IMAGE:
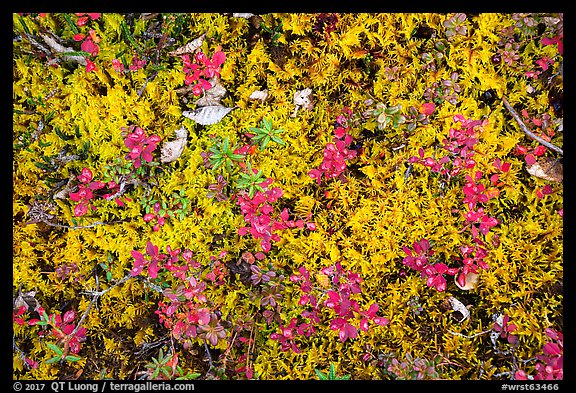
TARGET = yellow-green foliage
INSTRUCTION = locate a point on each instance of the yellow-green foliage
(363, 223)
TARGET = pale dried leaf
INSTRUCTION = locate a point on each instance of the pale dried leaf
(242, 15)
(207, 115)
(213, 95)
(183, 90)
(172, 150)
(26, 299)
(63, 194)
(190, 47)
(471, 281)
(547, 168)
(261, 95)
(303, 99)
(457, 305)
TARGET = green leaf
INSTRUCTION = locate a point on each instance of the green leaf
(23, 23)
(278, 140)
(55, 348)
(255, 130)
(236, 157)
(332, 372)
(72, 358)
(320, 374)
(61, 135)
(128, 35)
(74, 53)
(265, 142)
(53, 360)
(71, 24)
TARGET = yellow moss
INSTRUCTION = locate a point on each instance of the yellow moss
(362, 223)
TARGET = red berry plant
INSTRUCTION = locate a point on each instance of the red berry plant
(69, 337)
(184, 309)
(335, 302)
(136, 169)
(200, 68)
(459, 160)
(337, 153)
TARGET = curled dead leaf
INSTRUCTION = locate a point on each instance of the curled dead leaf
(260, 95)
(190, 47)
(547, 168)
(63, 193)
(471, 281)
(303, 99)
(26, 299)
(457, 305)
(213, 95)
(172, 150)
(207, 115)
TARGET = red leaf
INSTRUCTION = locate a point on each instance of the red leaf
(69, 316)
(80, 209)
(90, 66)
(347, 331)
(428, 108)
(552, 349)
(85, 176)
(151, 249)
(530, 160)
(540, 150)
(462, 279)
(381, 321)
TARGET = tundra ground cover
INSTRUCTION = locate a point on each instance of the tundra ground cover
(287, 196)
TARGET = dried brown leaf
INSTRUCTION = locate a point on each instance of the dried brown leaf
(547, 168)
(207, 115)
(303, 99)
(457, 305)
(260, 95)
(213, 95)
(172, 150)
(26, 299)
(190, 47)
(471, 281)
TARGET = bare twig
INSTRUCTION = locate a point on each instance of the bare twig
(82, 226)
(472, 336)
(209, 356)
(95, 296)
(527, 131)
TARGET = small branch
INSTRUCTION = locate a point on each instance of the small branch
(527, 131)
(209, 355)
(95, 296)
(82, 226)
(123, 184)
(472, 336)
(147, 282)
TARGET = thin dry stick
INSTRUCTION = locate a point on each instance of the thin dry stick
(526, 130)
(472, 336)
(95, 296)
(82, 226)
